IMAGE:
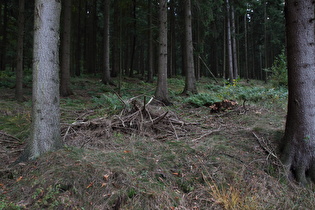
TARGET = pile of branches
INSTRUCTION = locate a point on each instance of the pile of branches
(136, 118)
(149, 120)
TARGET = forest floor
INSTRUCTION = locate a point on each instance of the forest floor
(123, 152)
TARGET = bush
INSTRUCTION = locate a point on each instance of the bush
(279, 72)
(202, 99)
(109, 101)
(237, 93)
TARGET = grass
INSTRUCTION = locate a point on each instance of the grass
(225, 169)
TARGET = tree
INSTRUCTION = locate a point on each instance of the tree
(65, 89)
(161, 92)
(4, 36)
(299, 139)
(190, 82)
(234, 45)
(106, 67)
(150, 43)
(78, 34)
(229, 42)
(91, 36)
(19, 63)
(45, 110)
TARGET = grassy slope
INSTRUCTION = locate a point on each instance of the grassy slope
(225, 160)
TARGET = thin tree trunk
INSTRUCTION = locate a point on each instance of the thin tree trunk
(106, 67)
(229, 41)
(1, 34)
(161, 92)
(190, 81)
(134, 38)
(196, 57)
(234, 46)
(91, 37)
(65, 89)
(246, 47)
(4, 37)
(173, 38)
(20, 49)
(265, 41)
(224, 70)
(150, 43)
(78, 41)
(116, 40)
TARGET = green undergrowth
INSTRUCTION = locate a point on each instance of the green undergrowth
(240, 93)
(15, 118)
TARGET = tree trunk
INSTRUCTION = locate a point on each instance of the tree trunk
(161, 92)
(246, 47)
(106, 67)
(1, 34)
(173, 38)
(91, 24)
(116, 40)
(150, 44)
(78, 40)
(19, 64)
(265, 42)
(45, 112)
(224, 70)
(299, 139)
(234, 45)
(3, 51)
(190, 81)
(134, 38)
(229, 42)
(65, 89)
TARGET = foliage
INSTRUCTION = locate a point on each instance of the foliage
(202, 99)
(237, 92)
(279, 72)
(7, 79)
(109, 101)
(15, 121)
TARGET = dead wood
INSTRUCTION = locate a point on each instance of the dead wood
(138, 117)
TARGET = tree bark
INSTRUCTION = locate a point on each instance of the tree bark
(20, 49)
(161, 92)
(45, 131)
(190, 81)
(91, 50)
(3, 52)
(246, 47)
(106, 67)
(65, 89)
(265, 42)
(78, 40)
(172, 41)
(116, 40)
(234, 45)
(150, 44)
(299, 140)
(229, 42)
(133, 39)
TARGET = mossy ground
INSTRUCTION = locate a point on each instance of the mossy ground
(226, 160)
